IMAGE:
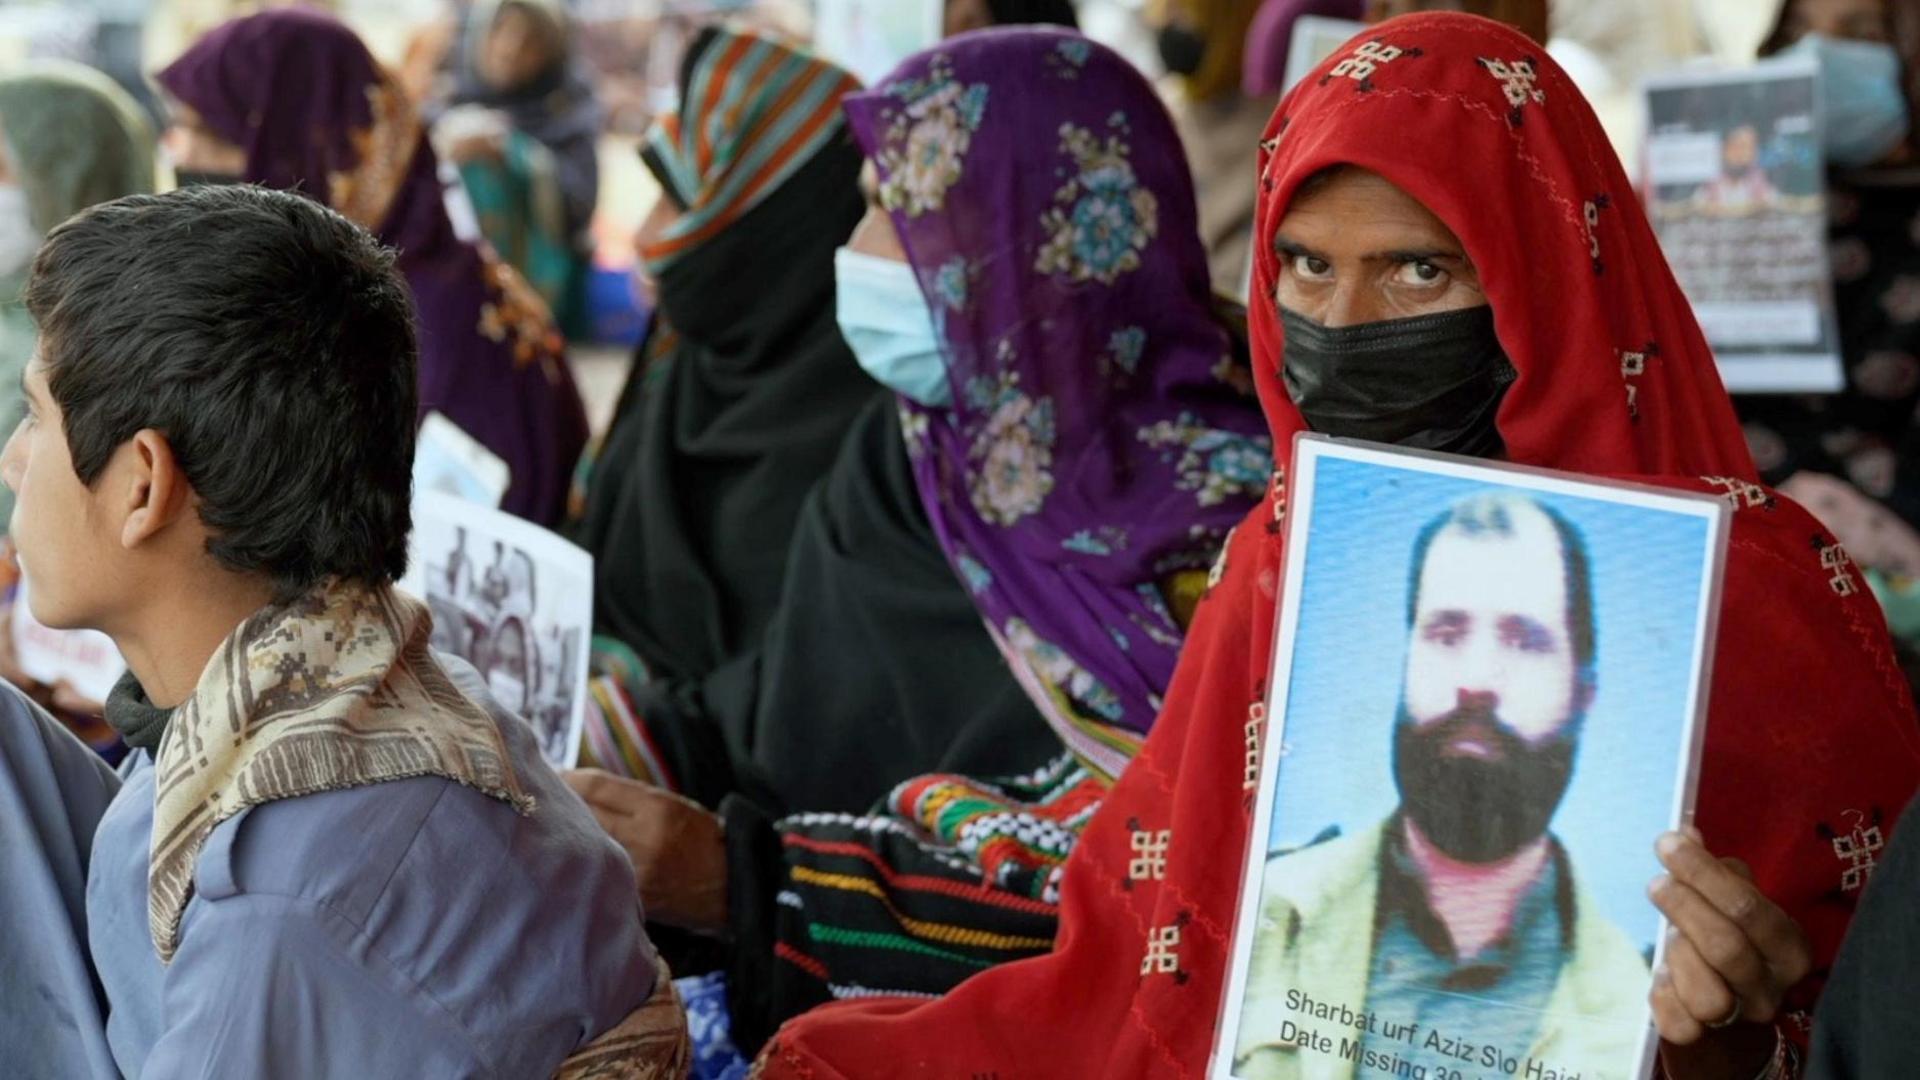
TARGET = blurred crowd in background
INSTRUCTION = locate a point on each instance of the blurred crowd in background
(542, 103)
(648, 282)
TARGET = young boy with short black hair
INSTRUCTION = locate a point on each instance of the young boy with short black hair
(332, 854)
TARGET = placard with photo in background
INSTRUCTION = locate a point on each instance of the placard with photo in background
(516, 602)
(1486, 705)
(1736, 186)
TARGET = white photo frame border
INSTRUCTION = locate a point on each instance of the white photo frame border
(1308, 450)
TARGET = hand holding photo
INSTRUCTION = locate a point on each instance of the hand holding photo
(1485, 707)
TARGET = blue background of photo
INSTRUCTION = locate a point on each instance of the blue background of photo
(1350, 655)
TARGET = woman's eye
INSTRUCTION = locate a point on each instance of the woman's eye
(1419, 274)
(1307, 266)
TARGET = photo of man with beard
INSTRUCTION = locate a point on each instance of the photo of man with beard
(1455, 936)
(1743, 186)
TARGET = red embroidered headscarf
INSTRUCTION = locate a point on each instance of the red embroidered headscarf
(1811, 747)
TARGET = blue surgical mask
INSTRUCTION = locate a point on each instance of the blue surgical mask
(1863, 108)
(889, 326)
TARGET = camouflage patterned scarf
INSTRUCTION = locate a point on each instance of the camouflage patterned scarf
(334, 690)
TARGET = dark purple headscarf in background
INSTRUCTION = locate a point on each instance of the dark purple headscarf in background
(315, 113)
(1102, 439)
(1270, 39)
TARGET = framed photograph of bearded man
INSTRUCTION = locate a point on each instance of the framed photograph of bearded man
(1487, 698)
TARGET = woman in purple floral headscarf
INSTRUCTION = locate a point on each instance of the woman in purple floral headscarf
(292, 99)
(1098, 440)
(1079, 418)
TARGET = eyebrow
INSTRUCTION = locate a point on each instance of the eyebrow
(1404, 255)
(1294, 248)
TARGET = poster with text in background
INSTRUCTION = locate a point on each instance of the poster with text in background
(1736, 187)
(1486, 703)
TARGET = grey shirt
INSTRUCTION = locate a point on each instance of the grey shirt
(53, 791)
(414, 928)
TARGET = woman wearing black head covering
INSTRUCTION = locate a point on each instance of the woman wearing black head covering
(744, 388)
(770, 594)
(749, 630)
(777, 621)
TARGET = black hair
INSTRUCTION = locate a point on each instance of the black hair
(1489, 516)
(1314, 184)
(1320, 180)
(271, 341)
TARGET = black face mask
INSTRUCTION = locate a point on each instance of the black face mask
(194, 178)
(1432, 382)
(1480, 810)
(1181, 49)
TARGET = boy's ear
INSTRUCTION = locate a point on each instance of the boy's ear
(153, 493)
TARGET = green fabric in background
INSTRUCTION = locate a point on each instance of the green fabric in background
(519, 205)
(72, 138)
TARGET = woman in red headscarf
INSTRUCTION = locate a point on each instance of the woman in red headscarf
(1462, 129)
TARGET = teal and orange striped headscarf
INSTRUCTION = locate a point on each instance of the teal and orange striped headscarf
(752, 112)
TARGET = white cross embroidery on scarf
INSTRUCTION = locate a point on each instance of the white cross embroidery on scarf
(1859, 850)
(1517, 80)
(1364, 61)
(1150, 848)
